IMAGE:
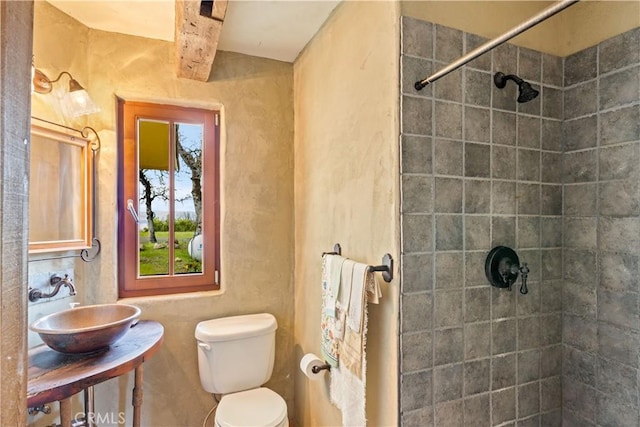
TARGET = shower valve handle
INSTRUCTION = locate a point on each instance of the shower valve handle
(524, 271)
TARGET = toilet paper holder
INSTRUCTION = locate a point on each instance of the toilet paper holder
(316, 369)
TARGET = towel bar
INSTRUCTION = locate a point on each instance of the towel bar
(386, 268)
(337, 250)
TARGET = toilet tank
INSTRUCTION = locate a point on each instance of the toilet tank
(236, 353)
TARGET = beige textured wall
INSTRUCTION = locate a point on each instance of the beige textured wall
(67, 51)
(582, 25)
(256, 96)
(590, 22)
(64, 52)
(346, 179)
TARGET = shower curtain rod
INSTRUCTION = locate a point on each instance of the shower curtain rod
(535, 20)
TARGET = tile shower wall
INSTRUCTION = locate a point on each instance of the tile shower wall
(602, 234)
(479, 170)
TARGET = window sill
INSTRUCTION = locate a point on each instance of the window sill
(172, 297)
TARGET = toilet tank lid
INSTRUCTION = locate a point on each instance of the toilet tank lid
(236, 327)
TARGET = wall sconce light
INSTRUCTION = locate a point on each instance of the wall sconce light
(76, 101)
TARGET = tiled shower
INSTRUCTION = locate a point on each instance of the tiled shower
(601, 326)
(556, 179)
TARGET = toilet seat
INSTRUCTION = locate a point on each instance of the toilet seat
(258, 407)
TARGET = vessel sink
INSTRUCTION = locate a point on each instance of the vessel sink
(85, 329)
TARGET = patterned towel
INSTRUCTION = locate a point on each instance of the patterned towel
(329, 341)
(334, 266)
(352, 347)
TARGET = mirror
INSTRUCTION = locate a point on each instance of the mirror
(60, 199)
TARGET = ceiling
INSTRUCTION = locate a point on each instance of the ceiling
(276, 29)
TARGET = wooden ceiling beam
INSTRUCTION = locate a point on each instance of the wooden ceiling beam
(198, 27)
(219, 9)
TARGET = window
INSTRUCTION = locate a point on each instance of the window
(168, 199)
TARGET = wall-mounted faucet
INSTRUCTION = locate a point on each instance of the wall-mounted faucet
(57, 282)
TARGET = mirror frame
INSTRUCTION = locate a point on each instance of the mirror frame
(86, 204)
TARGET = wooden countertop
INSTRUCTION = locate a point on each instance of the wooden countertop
(56, 376)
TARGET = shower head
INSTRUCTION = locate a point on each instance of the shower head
(527, 93)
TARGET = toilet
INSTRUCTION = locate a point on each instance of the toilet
(235, 358)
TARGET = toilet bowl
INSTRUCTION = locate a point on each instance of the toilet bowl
(258, 407)
(235, 358)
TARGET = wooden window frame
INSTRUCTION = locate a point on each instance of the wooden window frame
(129, 284)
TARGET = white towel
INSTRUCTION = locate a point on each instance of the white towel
(346, 283)
(342, 305)
(348, 394)
(349, 380)
(356, 302)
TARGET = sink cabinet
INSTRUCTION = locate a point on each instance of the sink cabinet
(54, 376)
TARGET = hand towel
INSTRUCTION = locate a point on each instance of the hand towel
(356, 302)
(349, 380)
(328, 342)
(342, 306)
(334, 277)
(374, 293)
(352, 346)
(352, 352)
(346, 281)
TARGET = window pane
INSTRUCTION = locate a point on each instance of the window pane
(188, 199)
(153, 194)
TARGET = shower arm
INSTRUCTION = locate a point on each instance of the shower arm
(500, 79)
(535, 20)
